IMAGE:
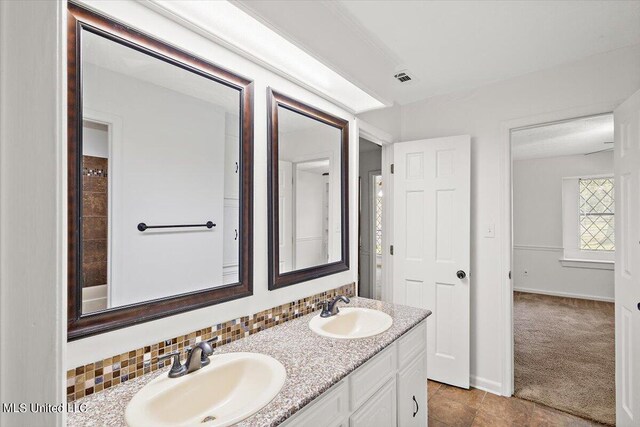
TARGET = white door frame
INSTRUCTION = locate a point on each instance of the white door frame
(506, 222)
(322, 155)
(373, 259)
(385, 140)
(114, 133)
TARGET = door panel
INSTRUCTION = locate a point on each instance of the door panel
(627, 278)
(432, 236)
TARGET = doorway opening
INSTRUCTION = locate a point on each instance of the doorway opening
(563, 248)
(370, 229)
(96, 175)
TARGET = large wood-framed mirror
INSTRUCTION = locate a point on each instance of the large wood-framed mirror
(308, 189)
(160, 178)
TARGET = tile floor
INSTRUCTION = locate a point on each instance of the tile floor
(454, 407)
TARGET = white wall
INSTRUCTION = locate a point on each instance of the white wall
(95, 142)
(595, 84)
(32, 209)
(537, 227)
(94, 348)
(168, 168)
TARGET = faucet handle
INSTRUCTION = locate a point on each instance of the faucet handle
(325, 311)
(175, 355)
(207, 350)
(177, 368)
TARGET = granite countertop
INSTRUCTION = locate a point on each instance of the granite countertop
(313, 364)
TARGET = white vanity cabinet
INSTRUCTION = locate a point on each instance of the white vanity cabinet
(379, 410)
(412, 401)
(388, 390)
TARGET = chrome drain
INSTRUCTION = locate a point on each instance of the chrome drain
(207, 419)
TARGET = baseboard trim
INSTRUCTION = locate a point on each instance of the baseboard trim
(564, 294)
(484, 384)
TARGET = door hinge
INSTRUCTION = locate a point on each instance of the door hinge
(391, 249)
(392, 168)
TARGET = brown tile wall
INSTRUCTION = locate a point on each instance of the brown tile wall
(97, 376)
(95, 199)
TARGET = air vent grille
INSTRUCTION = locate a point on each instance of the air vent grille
(403, 77)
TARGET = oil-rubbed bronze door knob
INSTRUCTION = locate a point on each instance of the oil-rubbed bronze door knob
(461, 274)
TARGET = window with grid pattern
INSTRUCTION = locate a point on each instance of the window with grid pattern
(597, 219)
(378, 213)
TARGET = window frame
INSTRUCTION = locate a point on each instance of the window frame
(571, 224)
(583, 183)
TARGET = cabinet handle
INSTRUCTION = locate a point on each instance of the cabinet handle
(417, 407)
(236, 238)
(236, 167)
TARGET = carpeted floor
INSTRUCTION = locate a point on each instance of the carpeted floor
(565, 354)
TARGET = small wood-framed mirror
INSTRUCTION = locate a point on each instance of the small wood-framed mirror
(308, 188)
(160, 178)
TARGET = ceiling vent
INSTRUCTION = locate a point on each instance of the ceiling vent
(403, 76)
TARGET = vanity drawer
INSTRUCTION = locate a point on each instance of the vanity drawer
(411, 344)
(331, 410)
(368, 378)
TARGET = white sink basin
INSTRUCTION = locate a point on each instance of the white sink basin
(352, 323)
(231, 388)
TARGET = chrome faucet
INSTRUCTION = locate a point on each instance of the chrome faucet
(330, 308)
(197, 357)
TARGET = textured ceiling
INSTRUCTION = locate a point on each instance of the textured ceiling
(447, 45)
(579, 136)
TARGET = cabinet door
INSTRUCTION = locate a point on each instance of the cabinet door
(379, 410)
(412, 388)
(232, 157)
(230, 235)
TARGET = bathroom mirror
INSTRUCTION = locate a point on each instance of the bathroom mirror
(160, 178)
(308, 192)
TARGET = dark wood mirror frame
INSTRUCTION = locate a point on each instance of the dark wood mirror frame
(279, 280)
(78, 325)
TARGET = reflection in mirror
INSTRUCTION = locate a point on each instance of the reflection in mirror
(310, 199)
(160, 147)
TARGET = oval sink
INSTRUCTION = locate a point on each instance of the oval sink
(231, 388)
(352, 323)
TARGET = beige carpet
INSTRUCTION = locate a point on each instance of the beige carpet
(565, 354)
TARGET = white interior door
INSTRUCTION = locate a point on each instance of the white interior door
(431, 247)
(627, 274)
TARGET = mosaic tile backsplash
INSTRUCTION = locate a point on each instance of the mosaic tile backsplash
(103, 374)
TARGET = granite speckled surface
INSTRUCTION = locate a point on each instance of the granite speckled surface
(313, 364)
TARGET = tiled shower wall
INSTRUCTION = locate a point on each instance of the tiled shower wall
(92, 378)
(95, 200)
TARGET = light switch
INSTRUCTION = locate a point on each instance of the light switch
(490, 231)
